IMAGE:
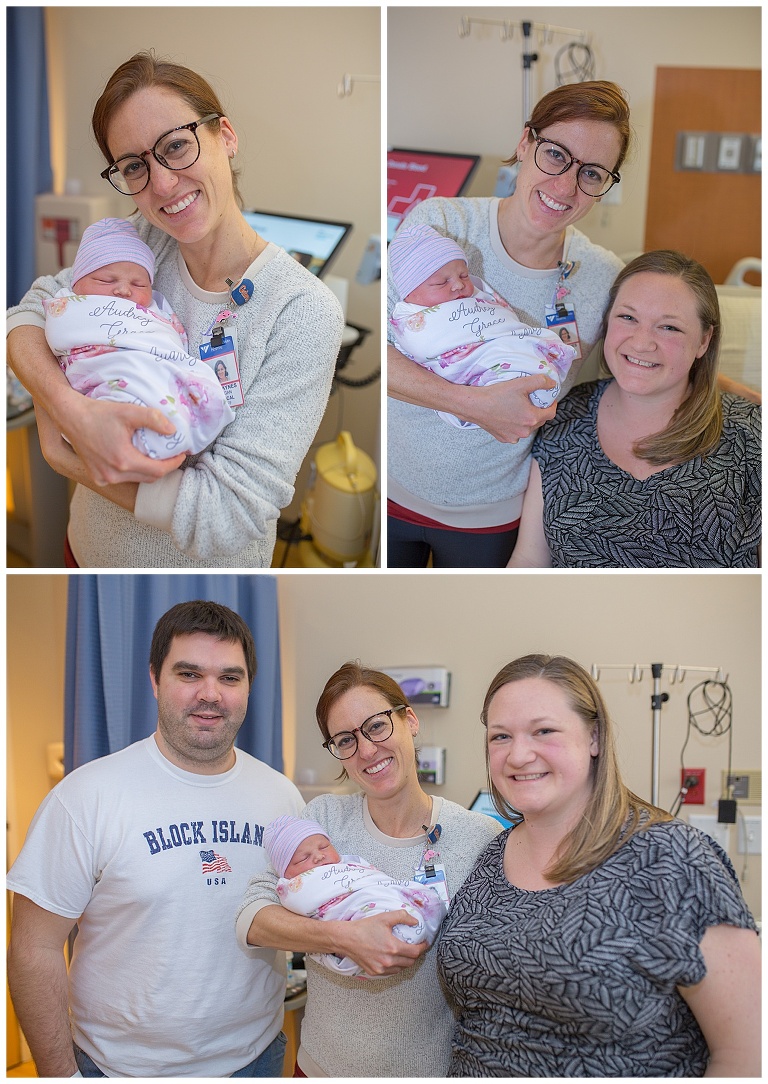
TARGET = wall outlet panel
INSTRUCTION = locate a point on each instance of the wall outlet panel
(695, 795)
(743, 785)
(749, 835)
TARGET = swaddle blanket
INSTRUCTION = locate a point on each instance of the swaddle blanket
(353, 889)
(479, 340)
(114, 349)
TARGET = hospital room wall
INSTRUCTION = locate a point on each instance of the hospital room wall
(472, 625)
(465, 94)
(303, 149)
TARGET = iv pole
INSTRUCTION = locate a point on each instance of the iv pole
(658, 699)
(529, 58)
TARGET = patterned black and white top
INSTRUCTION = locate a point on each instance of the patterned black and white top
(701, 514)
(580, 980)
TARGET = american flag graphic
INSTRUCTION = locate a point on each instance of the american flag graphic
(214, 863)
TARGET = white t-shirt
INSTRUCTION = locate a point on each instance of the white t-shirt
(156, 860)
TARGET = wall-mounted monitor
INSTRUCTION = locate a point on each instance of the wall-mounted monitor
(413, 176)
(314, 242)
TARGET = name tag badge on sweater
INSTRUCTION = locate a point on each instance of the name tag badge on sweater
(561, 318)
(431, 873)
(220, 353)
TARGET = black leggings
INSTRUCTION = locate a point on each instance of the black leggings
(409, 545)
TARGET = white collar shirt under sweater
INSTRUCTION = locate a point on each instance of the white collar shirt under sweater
(464, 477)
(158, 859)
(398, 1026)
(220, 509)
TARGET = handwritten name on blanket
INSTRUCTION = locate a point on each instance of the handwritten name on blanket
(133, 319)
(345, 877)
(133, 314)
(481, 316)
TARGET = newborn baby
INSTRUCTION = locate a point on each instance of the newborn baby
(132, 348)
(318, 882)
(456, 326)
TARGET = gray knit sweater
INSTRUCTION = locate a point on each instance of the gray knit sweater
(220, 508)
(398, 1026)
(464, 477)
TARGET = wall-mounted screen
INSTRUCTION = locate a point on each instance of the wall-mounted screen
(314, 242)
(483, 803)
(413, 176)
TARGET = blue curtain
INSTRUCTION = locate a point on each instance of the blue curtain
(110, 619)
(28, 156)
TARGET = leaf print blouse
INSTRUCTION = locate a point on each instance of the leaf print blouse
(581, 980)
(701, 514)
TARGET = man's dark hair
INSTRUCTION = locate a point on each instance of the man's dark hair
(211, 618)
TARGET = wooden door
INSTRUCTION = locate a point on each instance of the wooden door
(713, 217)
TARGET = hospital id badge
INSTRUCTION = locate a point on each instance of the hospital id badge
(561, 318)
(220, 354)
(432, 874)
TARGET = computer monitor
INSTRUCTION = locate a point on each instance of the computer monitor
(413, 176)
(483, 803)
(314, 242)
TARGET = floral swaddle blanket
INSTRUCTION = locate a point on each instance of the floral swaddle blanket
(479, 340)
(109, 348)
(353, 889)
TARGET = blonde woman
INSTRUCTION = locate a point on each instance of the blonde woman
(654, 467)
(598, 936)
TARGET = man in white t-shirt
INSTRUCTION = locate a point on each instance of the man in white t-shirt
(149, 851)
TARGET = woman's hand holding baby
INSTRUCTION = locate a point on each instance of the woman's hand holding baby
(101, 433)
(372, 945)
(505, 411)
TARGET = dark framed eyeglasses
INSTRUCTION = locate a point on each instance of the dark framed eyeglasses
(377, 727)
(555, 159)
(177, 149)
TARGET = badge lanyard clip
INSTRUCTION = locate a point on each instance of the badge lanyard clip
(560, 314)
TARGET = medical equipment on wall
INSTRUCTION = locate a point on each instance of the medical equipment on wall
(580, 67)
(658, 699)
(716, 706)
(545, 32)
(423, 684)
(581, 63)
(431, 764)
(59, 225)
(337, 513)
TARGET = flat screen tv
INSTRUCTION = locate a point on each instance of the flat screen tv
(413, 176)
(314, 242)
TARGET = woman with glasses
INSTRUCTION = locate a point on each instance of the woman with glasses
(456, 494)
(399, 1016)
(169, 147)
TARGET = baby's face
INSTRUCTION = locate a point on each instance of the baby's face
(451, 281)
(127, 280)
(312, 851)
